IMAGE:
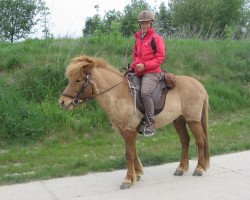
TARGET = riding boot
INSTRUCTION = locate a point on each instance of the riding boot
(150, 126)
(149, 129)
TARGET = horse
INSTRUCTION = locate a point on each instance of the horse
(186, 106)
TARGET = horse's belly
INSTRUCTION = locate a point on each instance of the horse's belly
(165, 118)
(171, 111)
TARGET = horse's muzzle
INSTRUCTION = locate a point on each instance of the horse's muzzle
(66, 105)
(61, 102)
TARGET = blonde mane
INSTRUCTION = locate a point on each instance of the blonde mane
(83, 63)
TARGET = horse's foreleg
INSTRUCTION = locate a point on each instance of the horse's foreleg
(133, 162)
(138, 167)
(199, 136)
(181, 129)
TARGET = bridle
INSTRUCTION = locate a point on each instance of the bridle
(76, 99)
(88, 82)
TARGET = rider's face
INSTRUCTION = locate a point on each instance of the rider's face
(145, 26)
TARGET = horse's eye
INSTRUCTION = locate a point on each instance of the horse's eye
(78, 81)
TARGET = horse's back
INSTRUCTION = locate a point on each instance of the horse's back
(190, 83)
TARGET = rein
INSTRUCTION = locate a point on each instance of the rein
(88, 81)
(107, 89)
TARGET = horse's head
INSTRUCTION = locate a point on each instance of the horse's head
(80, 86)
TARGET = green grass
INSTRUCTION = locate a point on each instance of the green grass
(67, 154)
(39, 140)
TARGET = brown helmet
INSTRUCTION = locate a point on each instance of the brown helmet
(146, 16)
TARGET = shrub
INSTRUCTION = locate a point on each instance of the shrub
(38, 83)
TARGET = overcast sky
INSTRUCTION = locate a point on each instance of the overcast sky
(68, 16)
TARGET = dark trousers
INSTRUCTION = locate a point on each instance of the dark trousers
(149, 83)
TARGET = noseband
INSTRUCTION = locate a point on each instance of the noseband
(88, 81)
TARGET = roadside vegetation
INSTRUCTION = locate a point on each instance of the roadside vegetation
(39, 140)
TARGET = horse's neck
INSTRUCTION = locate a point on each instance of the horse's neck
(105, 78)
(110, 85)
(116, 101)
(113, 90)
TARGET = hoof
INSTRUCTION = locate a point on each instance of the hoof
(125, 185)
(138, 176)
(197, 172)
(179, 172)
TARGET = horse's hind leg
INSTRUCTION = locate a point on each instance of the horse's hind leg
(181, 129)
(199, 136)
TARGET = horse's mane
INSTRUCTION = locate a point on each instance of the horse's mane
(78, 64)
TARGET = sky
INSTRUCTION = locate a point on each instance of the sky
(68, 16)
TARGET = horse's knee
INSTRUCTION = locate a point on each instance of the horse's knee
(129, 155)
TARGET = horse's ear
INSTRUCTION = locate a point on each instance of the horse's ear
(87, 68)
(83, 64)
(83, 60)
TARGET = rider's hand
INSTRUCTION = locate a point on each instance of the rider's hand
(140, 67)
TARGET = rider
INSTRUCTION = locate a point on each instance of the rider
(147, 64)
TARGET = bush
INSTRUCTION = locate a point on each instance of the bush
(227, 97)
(10, 63)
(37, 84)
(16, 118)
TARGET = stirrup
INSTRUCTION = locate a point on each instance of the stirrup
(149, 134)
(141, 127)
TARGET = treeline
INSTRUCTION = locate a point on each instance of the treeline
(180, 18)
(223, 19)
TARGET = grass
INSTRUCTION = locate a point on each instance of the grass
(38, 140)
(70, 154)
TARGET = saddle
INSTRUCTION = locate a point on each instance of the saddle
(166, 82)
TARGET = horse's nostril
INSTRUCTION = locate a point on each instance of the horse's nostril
(76, 101)
(62, 102)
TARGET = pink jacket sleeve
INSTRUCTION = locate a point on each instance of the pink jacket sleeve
(159, 56)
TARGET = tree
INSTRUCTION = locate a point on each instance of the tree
(16, 18)
(114, 21)
(106, 25)
(246, 21)
(92, 24)
(163, 23)
(207, 17)
(129, 22)
(44, 13)
(110, 21)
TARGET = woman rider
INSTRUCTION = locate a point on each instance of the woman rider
(147, 64)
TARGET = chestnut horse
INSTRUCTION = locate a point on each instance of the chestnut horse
(186, 105)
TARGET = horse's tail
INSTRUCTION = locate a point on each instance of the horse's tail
(204, 123)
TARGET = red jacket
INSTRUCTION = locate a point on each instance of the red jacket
(144, 53)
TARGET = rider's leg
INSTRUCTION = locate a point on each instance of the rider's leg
(149, 83)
